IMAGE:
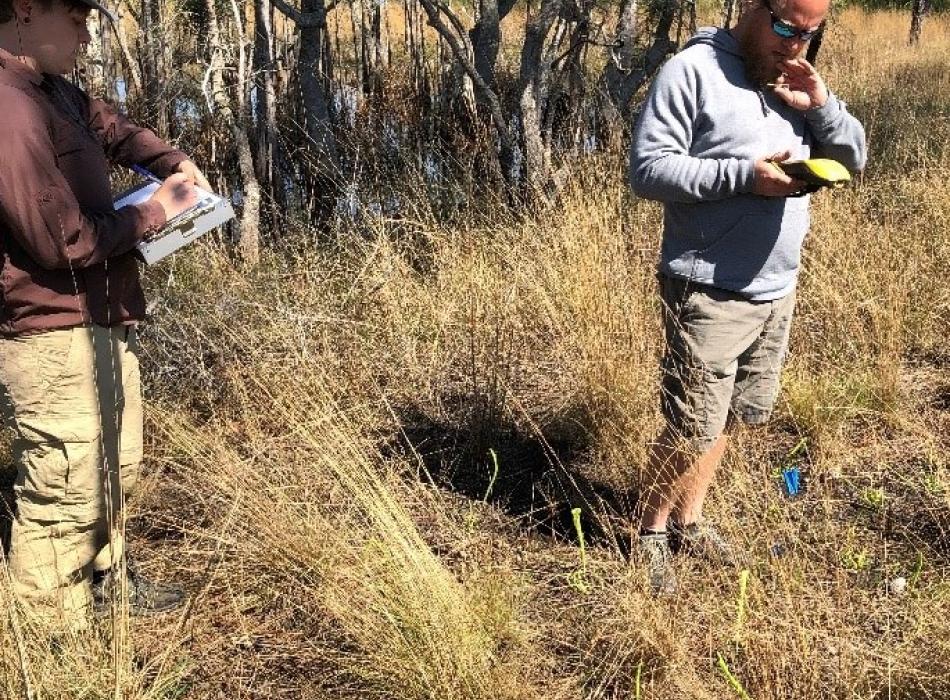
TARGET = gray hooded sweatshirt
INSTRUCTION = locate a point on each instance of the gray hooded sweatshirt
(695, 143)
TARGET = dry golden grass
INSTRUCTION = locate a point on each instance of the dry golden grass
(319, 473)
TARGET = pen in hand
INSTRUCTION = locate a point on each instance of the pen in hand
(177, 194)
(147, 174)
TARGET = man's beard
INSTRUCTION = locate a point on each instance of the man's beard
(760, 65)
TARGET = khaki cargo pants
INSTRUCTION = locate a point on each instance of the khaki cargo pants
(74, 400)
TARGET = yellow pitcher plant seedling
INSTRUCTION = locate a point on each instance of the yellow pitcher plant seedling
(494, 474)
(578, 578)
(733, 681)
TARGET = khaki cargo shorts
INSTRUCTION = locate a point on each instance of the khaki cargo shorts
(722, 360)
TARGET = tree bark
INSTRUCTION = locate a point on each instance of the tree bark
(620, 60)
(380, 30)
(266, 105)
(108, 59)
(248, 226)
(486, 36)
(728, 7)
(316, 103)
(94, 65)
(153, 65)
(631, 81)
(920, 10)
(814, 46)
(318, 128)
(131, 67)
(249, 234)
(532, 95)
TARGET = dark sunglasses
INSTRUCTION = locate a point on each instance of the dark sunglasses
(788, 31)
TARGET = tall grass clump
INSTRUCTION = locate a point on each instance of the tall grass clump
(312, 520)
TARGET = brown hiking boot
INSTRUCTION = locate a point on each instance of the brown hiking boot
(145, 597)
(656, 552)
(702, 541)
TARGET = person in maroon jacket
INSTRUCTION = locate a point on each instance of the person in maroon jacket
(70, 299)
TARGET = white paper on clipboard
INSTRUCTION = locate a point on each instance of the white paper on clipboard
(210, 212)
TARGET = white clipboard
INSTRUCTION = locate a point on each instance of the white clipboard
(210, 212)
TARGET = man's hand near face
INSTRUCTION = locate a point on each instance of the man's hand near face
(800, 86)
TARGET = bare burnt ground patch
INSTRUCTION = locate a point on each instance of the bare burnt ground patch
(537, 481)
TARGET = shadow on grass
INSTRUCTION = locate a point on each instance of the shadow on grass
(537, 481)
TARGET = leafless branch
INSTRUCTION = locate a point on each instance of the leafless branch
(463, 55)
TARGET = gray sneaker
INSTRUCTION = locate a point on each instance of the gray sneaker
(702, 541)
(145, 597)
(655, 549)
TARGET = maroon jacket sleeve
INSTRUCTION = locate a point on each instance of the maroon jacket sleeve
(128, 144)
(39, 207)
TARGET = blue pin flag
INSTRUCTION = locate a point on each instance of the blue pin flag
(792, 478)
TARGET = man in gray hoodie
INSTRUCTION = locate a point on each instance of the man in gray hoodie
(718, 118)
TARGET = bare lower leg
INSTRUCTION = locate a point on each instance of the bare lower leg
(669, 472)
(694, 485)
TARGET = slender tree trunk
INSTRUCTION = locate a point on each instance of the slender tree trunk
(367, 47)
(311, 26)
(728, 8)
(248, 226)
(266, 105)
(620, 60)
(486, 36)
(108, 59)
(131, 67)
(486, 39)
(921, 8)
(153, 65)
(356, 24)
(627, 80)
(249, 235)
(455, 36)
(814, 46)
(94, 65)
(414, 47)
(380, 35)
(532, 95)
(318, 126)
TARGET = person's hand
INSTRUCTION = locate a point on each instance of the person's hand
(176, 194)
(800, 86)
(771, 180)
(194, 173)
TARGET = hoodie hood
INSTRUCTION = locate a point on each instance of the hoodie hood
(717, 37)
(723, 40)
